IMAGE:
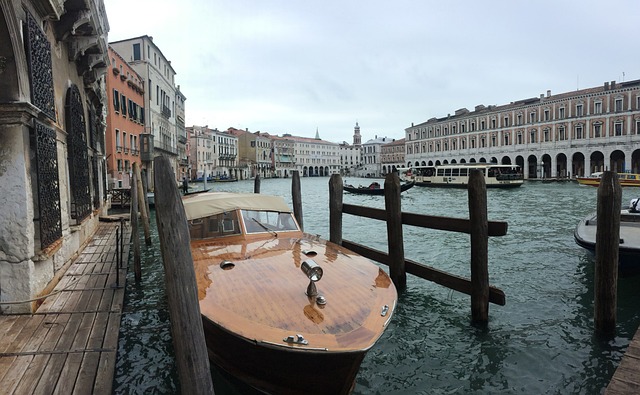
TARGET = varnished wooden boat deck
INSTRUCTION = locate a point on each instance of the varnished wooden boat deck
(626, 379)
(69, 345)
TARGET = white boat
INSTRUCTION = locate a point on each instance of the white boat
(629, 249)
(283, 310)
(457, 175)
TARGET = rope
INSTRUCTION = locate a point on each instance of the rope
(43, 296)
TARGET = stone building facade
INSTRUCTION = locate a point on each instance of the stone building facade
(551, 136)
(53, 56)
(392, 156)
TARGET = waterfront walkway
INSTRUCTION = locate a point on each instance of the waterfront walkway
(69, 345)
(626, 379)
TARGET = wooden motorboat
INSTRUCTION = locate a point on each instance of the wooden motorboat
(374, 188)
(629, 248)
(282, 310)
(626, 179)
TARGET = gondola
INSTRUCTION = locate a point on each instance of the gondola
(374, 188)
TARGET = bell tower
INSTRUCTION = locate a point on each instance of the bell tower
(357, 139)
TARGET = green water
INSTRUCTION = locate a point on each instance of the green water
(541, 342)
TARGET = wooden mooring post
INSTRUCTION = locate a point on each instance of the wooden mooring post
(607, 244)
(335, 208)
(392, 204)
(142, 205)
(180, 281)
(477, 190)
(134, 228)
(256, 184)
(296, 197)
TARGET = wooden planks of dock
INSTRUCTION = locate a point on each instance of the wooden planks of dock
(626, 379)
(69, 345)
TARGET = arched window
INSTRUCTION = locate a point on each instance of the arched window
(78, 157)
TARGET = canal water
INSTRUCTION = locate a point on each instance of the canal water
(541, 341)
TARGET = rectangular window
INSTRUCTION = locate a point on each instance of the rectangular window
(637, 127)
(578, 110)
(118, 144)
(519, 119)
(136, 52)
(532, 137)
(561, 113)
(598, 108)
(116, 100)
(532, 117)
(124, 105)
(618, 105)
(546, 115)
(506, 121)
(546, 135)
(119, 164)
(618, 128)
(579, 134)
(597, 130)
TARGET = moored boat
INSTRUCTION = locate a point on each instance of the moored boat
(374, 188)
(457, 175)
(629, 247)
(284, 311)
(626, 179)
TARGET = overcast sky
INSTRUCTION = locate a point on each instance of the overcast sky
(299, 66)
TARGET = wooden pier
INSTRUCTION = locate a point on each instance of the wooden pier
(69, 345)
(626, 379)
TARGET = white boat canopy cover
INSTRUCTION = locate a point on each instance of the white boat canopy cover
(203, 205)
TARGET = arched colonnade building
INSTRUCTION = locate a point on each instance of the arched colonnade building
(551, 136)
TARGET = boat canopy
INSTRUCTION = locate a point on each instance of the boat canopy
(206, 204)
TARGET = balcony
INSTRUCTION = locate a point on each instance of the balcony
(146, 147)
(166, 112)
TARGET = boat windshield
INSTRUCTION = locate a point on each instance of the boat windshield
(268, 221)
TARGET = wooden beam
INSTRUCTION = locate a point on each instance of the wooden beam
(461, 225)
(457, 283)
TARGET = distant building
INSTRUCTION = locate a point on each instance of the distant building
(372, 157)
(125, 120)
(53, 58)
(351, 154)
(162, 124)
(254, 152)
(564, 135)
(213, 154)
(392, 156)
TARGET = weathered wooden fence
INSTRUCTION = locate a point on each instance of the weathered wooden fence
(477, 226)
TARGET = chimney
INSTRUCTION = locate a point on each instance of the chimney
(548, 93)
(606, 86)
(613, 84)
(542, 95)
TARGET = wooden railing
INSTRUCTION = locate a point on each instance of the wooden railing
(477, 226)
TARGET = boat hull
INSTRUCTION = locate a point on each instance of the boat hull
(376, 191)
(629, 248)
(461, 185)
(625, 179)
(281, 370)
